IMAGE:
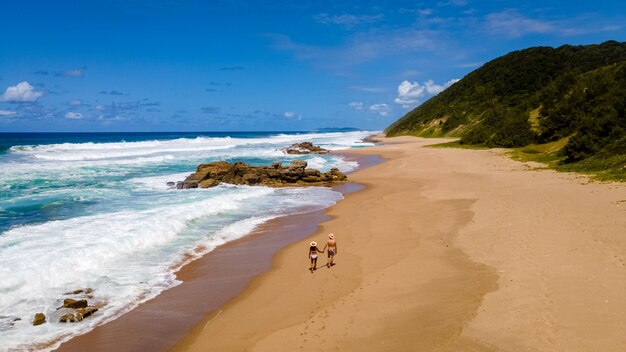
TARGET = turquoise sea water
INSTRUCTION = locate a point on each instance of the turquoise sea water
(94, 210)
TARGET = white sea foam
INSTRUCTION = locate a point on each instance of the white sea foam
(157, 183)
(185, 146)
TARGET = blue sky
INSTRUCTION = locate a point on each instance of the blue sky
(232, 65)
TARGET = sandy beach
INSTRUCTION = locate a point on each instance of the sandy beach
(444, 250)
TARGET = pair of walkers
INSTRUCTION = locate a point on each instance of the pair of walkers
(314, 251)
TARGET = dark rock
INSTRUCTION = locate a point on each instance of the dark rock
(73, 303)
(296, 174)
(77, 315)
(305, 148)
(208, 183)
(68, 318)
(171, 184)
(39, 319)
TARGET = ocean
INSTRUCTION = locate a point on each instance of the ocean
(94, 211)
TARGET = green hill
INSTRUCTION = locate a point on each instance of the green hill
(535, 96)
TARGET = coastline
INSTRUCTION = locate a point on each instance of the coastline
(158, 324)
(445, 249)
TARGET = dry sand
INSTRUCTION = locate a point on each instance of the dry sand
(445, 250)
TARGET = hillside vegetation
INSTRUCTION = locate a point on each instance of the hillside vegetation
(541, 95)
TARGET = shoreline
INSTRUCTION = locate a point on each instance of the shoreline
(445, 250)
(179, 309)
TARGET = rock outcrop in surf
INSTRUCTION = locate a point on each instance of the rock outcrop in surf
(305, 148)
(276, 175)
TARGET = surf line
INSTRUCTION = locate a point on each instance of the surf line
(215, 317)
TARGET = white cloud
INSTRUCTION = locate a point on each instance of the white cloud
(74, 115)
(75, 102)
(5, 113)
(22, 92)
(435, 89)
(356, 105)
(289, 114)
(380, 109)
(409, 92)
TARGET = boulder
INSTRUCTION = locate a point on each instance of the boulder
(374, 138)
(305, 148)
(298, 164)
(39, 319)
(74, 303)
(77, 315)
(276, 175)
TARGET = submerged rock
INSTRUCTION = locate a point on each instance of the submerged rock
(305, 148)
(39, 319)
(77, 315)
(276, 175)
(79, 291)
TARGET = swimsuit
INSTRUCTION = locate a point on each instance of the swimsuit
(313, 256)
(331, 252)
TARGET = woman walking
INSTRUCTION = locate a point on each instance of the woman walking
(313, 251)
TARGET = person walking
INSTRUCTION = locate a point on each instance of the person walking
(313, 251)
(332, 250)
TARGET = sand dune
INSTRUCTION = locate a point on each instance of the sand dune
(445, 250)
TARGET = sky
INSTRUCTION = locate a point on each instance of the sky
(235, 65)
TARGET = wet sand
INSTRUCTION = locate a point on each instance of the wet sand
(444, 250)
